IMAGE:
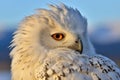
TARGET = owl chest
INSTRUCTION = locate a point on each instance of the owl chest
(61, 68)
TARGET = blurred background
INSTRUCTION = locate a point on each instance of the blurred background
(103, 25)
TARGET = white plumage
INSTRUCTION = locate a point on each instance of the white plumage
(53, 45)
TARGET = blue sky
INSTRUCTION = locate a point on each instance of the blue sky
(13, 11)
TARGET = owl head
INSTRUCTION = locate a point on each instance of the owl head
(60, 27)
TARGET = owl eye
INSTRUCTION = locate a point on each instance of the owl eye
(58, 36)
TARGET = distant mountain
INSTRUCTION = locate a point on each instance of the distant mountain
(106, 39)
(106, 33)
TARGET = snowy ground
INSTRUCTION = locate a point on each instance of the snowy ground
(5, 75)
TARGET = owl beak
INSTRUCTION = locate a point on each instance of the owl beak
(78, 46)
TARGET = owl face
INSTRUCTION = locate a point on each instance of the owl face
(59, 37)
(61, 28)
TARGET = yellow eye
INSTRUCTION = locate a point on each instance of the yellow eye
(58, 36)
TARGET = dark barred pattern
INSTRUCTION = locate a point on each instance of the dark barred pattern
(94, 69)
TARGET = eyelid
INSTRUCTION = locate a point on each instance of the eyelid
(58, 32)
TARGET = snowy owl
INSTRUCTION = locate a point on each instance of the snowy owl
(53, 44)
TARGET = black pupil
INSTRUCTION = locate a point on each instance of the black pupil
(57, 35)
